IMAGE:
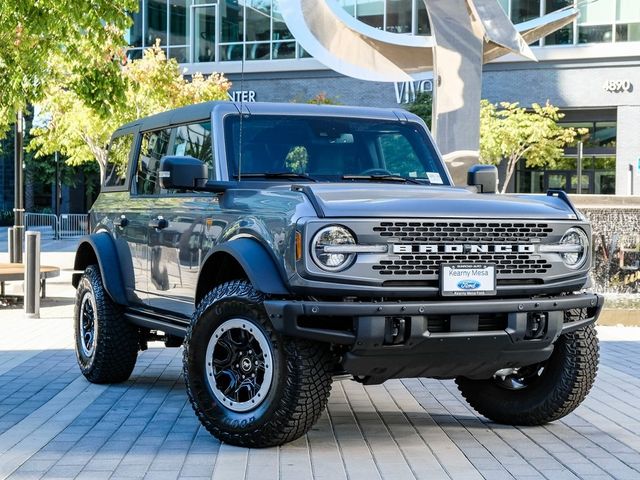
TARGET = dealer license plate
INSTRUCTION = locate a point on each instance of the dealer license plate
(467, 280)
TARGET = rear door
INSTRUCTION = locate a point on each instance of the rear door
(130, 238)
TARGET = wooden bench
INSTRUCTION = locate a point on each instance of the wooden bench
(12, 272)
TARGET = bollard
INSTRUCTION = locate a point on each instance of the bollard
(32, 276)
(10, 240)
(18, 243)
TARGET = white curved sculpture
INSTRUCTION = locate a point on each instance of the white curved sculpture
(466, 34)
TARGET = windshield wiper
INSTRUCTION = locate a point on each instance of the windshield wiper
(386, 178)
(277, 175)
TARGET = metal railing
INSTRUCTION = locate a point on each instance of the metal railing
(45, 223)
(67, 225)
(73, 225)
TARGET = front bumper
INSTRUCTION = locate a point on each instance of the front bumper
(459, 346)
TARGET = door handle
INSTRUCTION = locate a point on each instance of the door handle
(159, 223)
(121, 222)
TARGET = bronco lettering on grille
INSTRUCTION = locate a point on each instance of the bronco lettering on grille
(460, 248)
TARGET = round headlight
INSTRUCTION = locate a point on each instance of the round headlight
(333, 236)
(578, 240)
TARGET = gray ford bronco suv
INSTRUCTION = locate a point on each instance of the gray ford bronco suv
(285, 245)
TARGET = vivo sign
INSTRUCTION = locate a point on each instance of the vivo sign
(406, 92)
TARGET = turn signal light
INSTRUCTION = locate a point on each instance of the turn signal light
(298, 246)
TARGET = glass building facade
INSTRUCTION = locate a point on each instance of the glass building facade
(604, 21)
(197, 31)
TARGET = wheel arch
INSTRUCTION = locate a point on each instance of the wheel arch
(243, 258)
(99, 248)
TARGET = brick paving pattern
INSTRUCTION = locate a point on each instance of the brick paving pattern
(54, 424)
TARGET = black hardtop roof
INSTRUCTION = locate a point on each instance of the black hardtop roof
(202, 111)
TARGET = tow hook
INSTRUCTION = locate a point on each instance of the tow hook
(536, 326)
(395, 330)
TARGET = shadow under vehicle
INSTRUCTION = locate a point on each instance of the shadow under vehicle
(287, 244)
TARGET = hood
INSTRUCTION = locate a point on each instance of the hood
(381, 200)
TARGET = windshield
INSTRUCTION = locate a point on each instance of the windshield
(322, 149)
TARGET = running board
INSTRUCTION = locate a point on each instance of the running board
(154, 321)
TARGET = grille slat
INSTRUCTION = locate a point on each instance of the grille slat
(440, 232)
(428, 264)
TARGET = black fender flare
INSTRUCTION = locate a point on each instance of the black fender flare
(260, 267)
(100, 248)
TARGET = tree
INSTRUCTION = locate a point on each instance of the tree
(34, 34)
(423, 106)
(513, 133)
(320, 98)
(79, 128)
(323, 99)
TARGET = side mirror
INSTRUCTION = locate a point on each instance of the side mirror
(484, 177)
(182, 173)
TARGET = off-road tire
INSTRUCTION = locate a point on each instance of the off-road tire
(563, 385)
(116, 340)
(299, 388)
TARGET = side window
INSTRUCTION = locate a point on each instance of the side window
(195, 140)
(153, 147)
(399, 156)
(118, 161)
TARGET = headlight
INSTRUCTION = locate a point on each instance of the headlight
(333, 236)
(577, 248)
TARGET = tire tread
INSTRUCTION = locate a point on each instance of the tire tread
(308, 379)
(116, 350)
(580, 356)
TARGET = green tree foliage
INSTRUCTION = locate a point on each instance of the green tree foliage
(511, 133)
(79, 128)
(423, 106)
(35, 34)
(323, 99)
(319, 99)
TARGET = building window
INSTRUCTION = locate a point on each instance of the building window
(134, 35)
(524, 10)
(609, 21)
(598, 164)
(564, 36)
(179, 25)
(399, 16)
(371, 12)
(156, 24)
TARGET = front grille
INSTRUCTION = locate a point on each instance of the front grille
(428, 264)
(479, 232)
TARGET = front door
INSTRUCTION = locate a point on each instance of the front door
(182, 229)
(204, 28)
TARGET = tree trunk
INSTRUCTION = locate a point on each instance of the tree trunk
(511, 168)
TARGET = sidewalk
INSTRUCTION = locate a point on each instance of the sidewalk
(54, 424)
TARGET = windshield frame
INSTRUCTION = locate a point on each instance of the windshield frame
(231, 138)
